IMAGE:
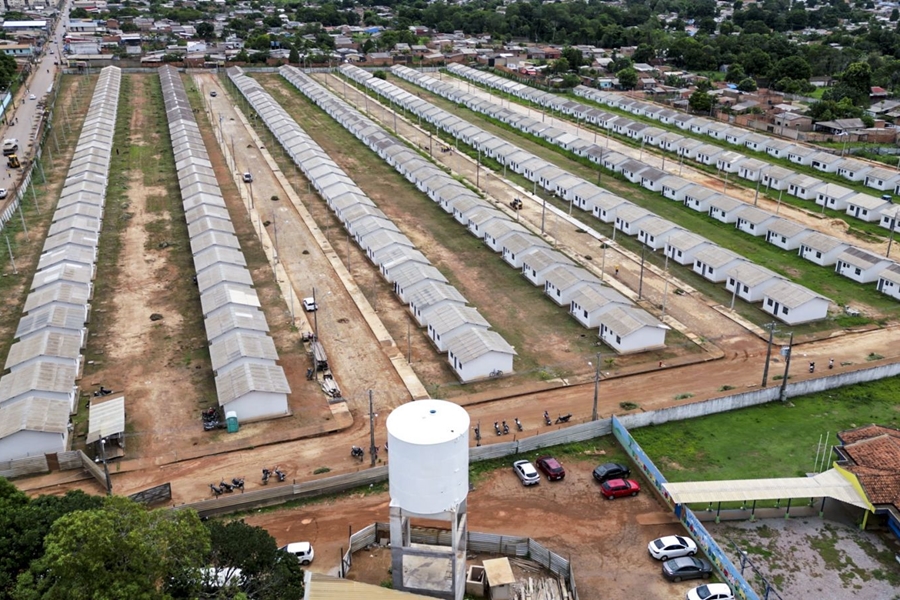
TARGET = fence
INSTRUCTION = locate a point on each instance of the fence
(476, 541)
(704, 540)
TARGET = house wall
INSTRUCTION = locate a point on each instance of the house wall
(259, 405)
(814, 310)
(31, 443)
(889, 288)
(645, 338)
(482, 366)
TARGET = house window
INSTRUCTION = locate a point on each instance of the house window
(785, 310)
(769, 302)
(746, 289)
(818, 255)
(857, 271)
(618, 339)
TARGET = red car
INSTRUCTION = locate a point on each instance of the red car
(617, 488)
(551, 468)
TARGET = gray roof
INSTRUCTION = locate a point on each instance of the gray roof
(632, 213)
(34, 414)
(725, 203)
(217, 254)
(241, 344)
(685, 240)
(625, 320)
(46, 343)
(53, 315)
(835, 190)
(497, 228)
(822, 242)
(221, 273)
(214, 238)
(451, 316)
(41, 376)
(593, 296)
(754, 215)
(67, 253)
(563, 277)
(790, 294)
(867, 201)
(785, 227)
(860, 258)
(541, 258)
(235, 317)
(892, 273)
(106, 418)
(433, 292)
(750, 274)
(411, 273)
(519, 242)
(716, 256)
(75, 273)
(475, 343)
(656, 226)
(228, 293)
(59, 291)
(248, 378)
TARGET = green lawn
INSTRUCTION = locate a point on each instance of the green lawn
(773, 440)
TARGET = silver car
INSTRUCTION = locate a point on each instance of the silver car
(526, 472)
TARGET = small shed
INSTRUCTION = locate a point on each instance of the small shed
(821, 249)
(254, 391)
(106, 421)
(479, 353)
(860, 265)
(889, 281)
(500, 578)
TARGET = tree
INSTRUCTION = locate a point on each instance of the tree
(628, 78)
(379, 74)
(858, 79)
(895, 15)
(574, 56)
(791, 67)
(735, 73)
(644, 53)
(293, 56)
(120, 550)
(560, 65)
(205, 30)
(747, 85)
(700, 102)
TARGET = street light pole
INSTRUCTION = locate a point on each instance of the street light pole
(372, 449)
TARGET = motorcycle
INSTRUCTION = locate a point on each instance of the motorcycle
(102, 392)
(210, 425)
(564, 418)
(210, 414)
(226, 487)
(215, 490)
(547, 418)
(281, 474)
(238, 483)
(265, 477)
(812, 367)
(518, 424)
(497, 428)
(505, 428)
(357, 452)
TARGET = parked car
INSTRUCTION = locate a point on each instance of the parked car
(213, 94)
(617, 488)
(309, 305)
(3, 193)
(248, 178)
(611, 471)
(302, 550)
(710, 591)
(526, 472)
(686, 567)
(551, 468)
(32, 97)
(671, 546)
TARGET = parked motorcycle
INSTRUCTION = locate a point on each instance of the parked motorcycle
(226, 487)
(281, 474)
(497, 428)
(547, 418)
(564, 418)
(518, 424)
(505, 428)
(210, 425)
(266, 474)
(215, 490)
(358, 453)
(102, 392)
(238, 483)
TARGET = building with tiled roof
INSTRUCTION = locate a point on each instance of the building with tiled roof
(872, 455)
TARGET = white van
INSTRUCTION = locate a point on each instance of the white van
(302, 550)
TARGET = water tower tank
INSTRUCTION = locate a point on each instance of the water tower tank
(429, 455)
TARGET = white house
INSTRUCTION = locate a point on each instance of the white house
(714, 262)
(862, 266)
(63, 348)
(515, 246)
(588, 303)
(778, 148)
(628, 330)
(431, 295)
(654, 231)
(237, 348)
(801, 155)
(675, 188)
(889, 281)
(749, 281)
(479, 353)
(834, 196)
(42, 378)
(682, 246)
(754, 221)
(794, 304)
(725, 208)
(866, 207)
(730, 162)
(854, 169)
(561, 282)
(497, 230)
(777, 178)
(786, 234)
(607, 206)
(698, 197)
(882, 179)
(254, 391)
(890, 218)
(804, 186)
(446, 322)
(827, 163)
(34, 426)
(752, 169)
(538, 262)
(821, 249)
(629, 217)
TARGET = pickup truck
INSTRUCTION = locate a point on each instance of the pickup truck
(10, 146)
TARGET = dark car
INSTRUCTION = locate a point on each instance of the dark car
(686, 567)
(618, 488)
(551, 468)
(611, 471)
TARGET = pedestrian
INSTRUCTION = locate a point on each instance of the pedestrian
(117, 151)
(617, 270)
(830, 363)
(660, 364)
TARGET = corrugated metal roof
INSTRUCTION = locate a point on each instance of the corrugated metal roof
(74, 273)
(223, 273)
(34, 414)
(214, 238)
(450, 316)
(541, 258)
(755, 216)
(750, 274)
(59, 291)
(411, 273)
(860, 258)
(892, 273)
(785, 227)
(47, 343)
(67, 253)
(625, 320)
(41, 376)
(716, 256)
(235, 317)
(594, 296)
(475, 343)
(228, 293)
(433, 292)
(822, 242)
(790, 294)
(518, 242)
(106, 418)
(248, 378)
(54, 315)
(217, 254)
(241, 344)
(685, 240)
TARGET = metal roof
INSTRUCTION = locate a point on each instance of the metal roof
(790, 294)
(860, 258)
(248, 378)
(542, 258)
(562, 277)
(410, 273)
(234, 317)
(241, 344)
(75, 273)
(217, 254)
(58, 291)
(685, 240)
(45, 415)
(214, 238)
(594, 296)
(41, 376)
(53, 315)
(46, 343)
(451, 316)
(519, 242)
(433, 292)
(725, 203)
(829, 484)
(785, 227)
(475, 343)
(755, 216)
(106, 418)
(822, 242)
(892, 273)
(867, 201)
(228, 293)
(716, 256)
(657, 226)
(750, 274)
(625, 320)
(67, 253)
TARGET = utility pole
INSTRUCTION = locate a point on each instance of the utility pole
(12, 259)
(372, 449)
(596, 388)
(641, 281)
(891, 238)
(543, 214)
(787, 367)
(105, 467)
(768, 354)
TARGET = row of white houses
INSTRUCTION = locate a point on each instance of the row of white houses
(622, 326)
(824, 250)
(473, 350)
(248, 380)
(40, 391)
(862, 206)
(784, 300)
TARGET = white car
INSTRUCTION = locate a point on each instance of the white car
(248, 178)
(3, 193)
(710, 591)
(671, 546)
(526, 472)
(302, 550)
(309, 305)
(32, 97)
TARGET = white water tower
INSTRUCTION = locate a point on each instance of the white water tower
(429, 480)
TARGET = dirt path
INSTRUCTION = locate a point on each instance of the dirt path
(768, 200)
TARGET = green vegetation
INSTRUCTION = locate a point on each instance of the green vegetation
(773, 440)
